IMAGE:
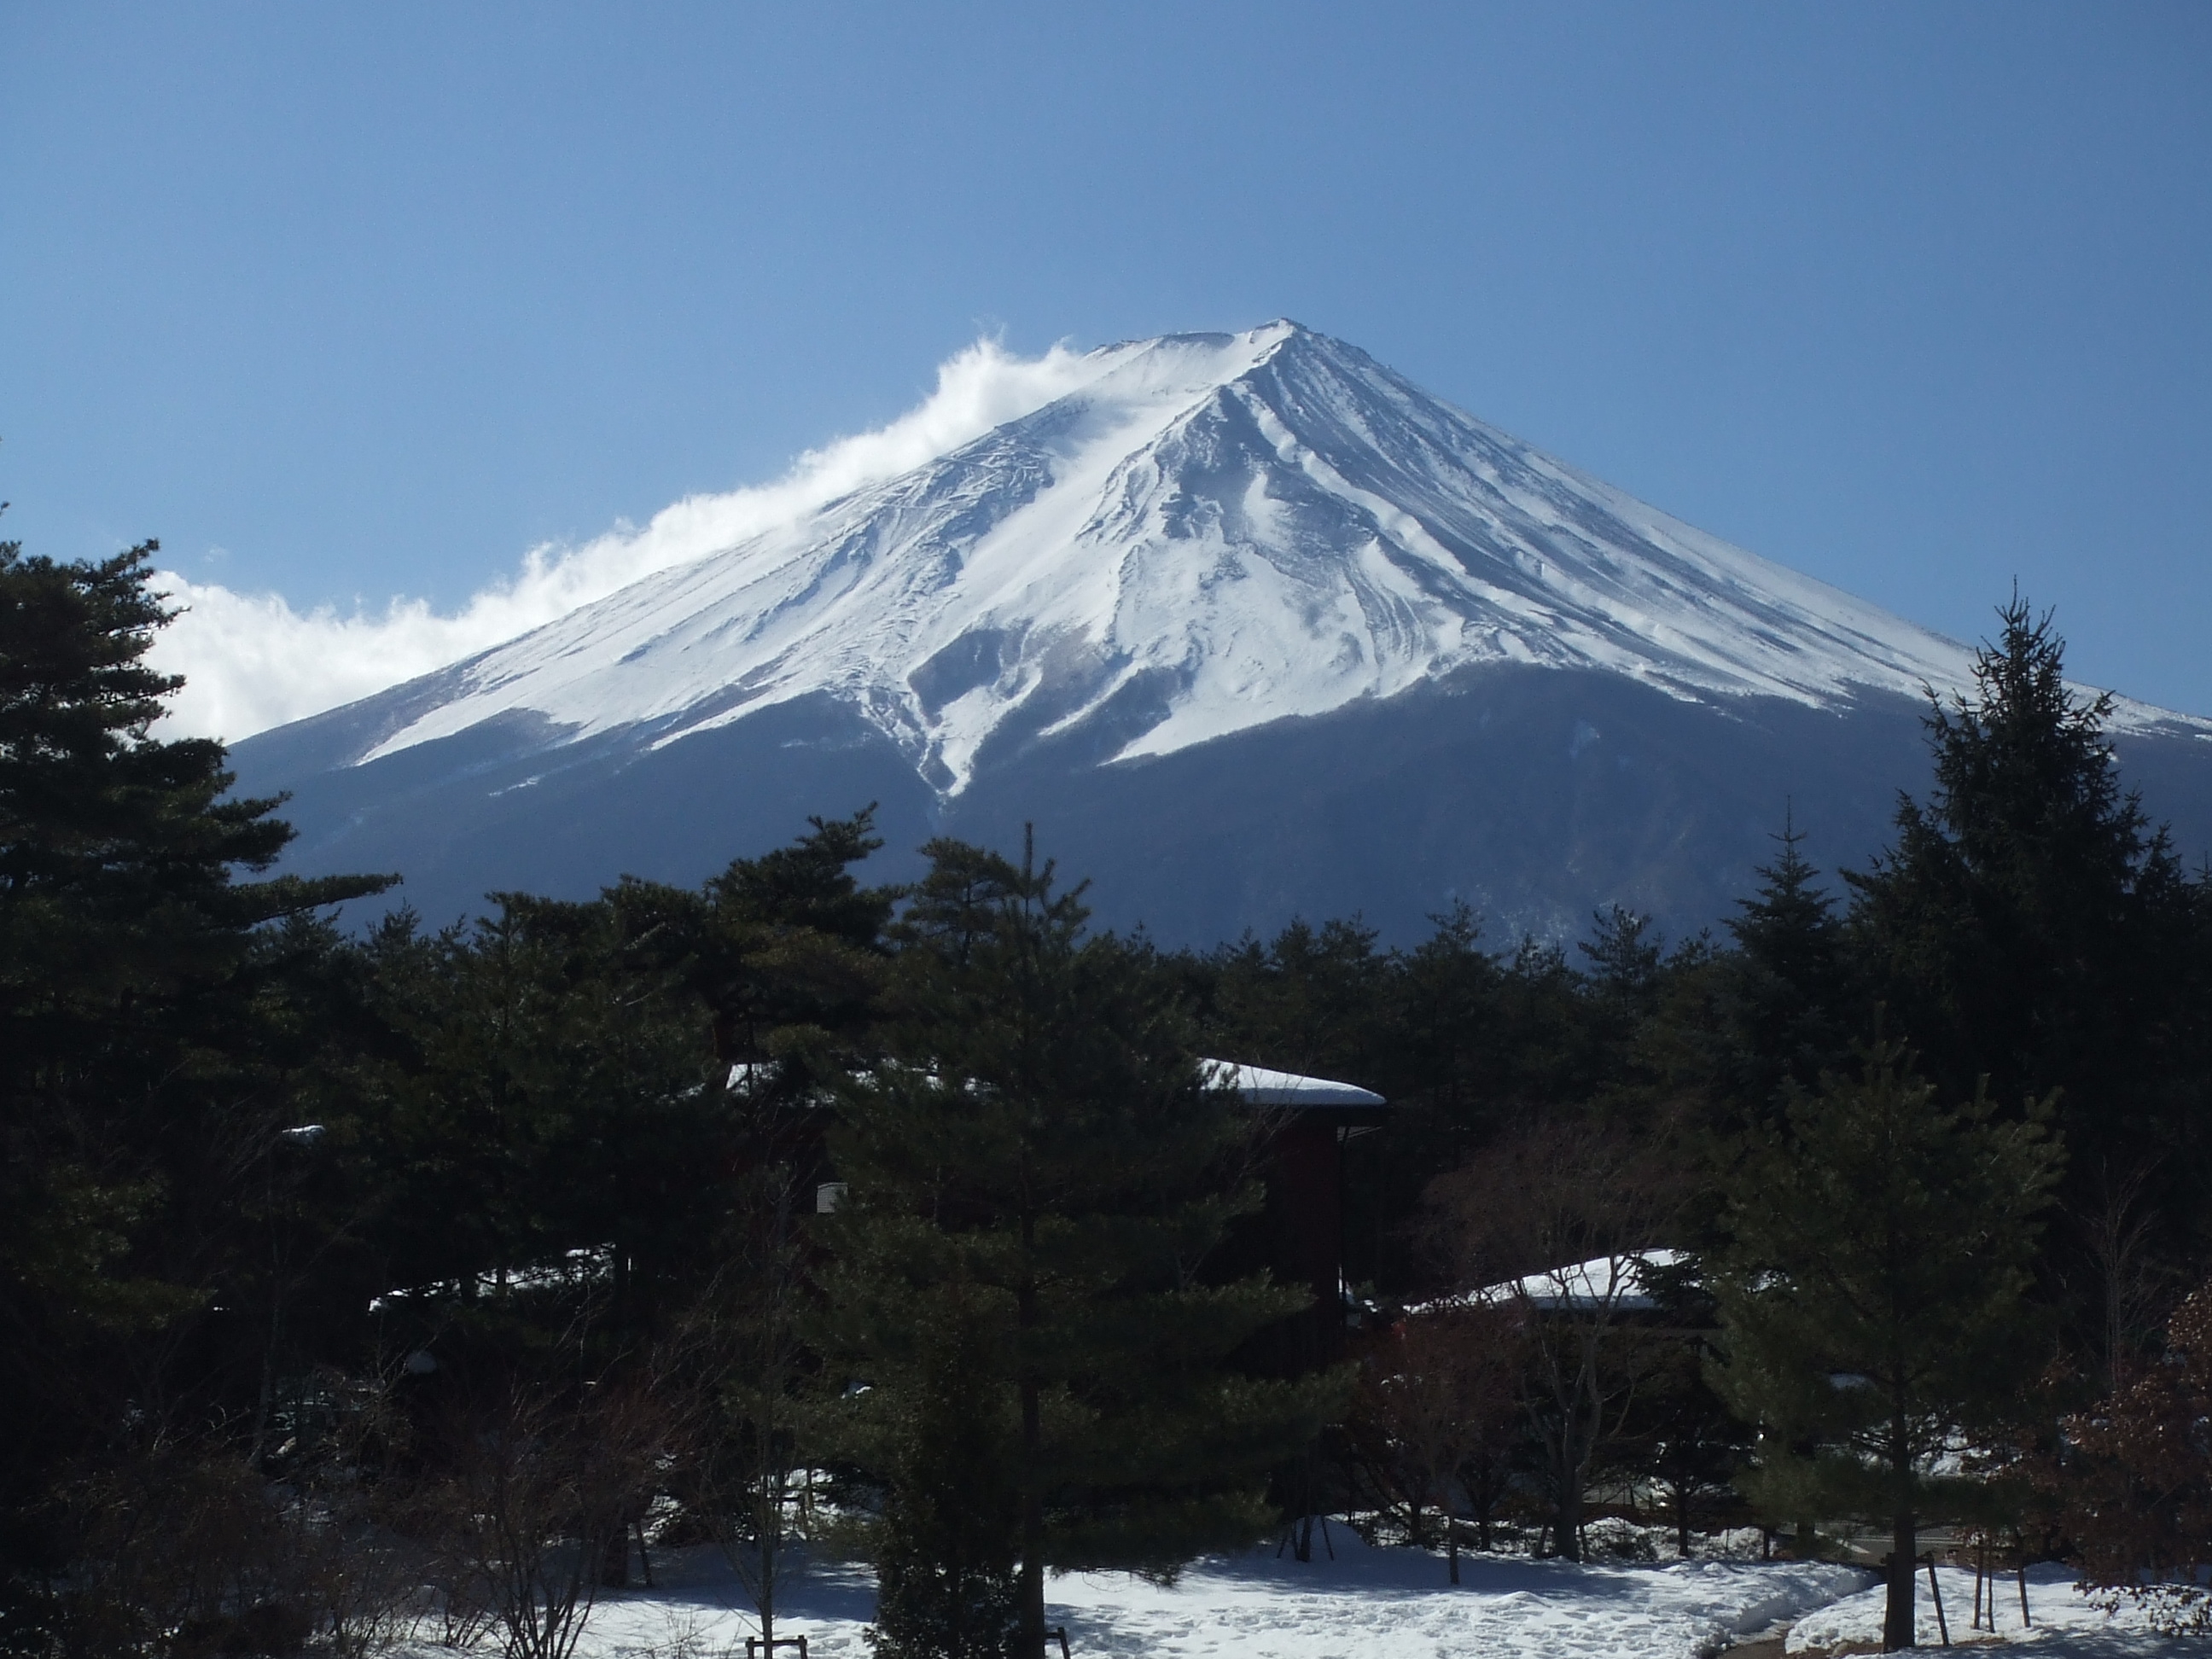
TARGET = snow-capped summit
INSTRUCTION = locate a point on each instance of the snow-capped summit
(1201, 542)
(1211, 533)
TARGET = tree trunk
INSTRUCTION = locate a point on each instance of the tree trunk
(1904, 1565)
(1479, 1481)
(766, 1603)
(1032, 1586)
(1904, 1533)
(1569, 1526)
(1031, 1638)
(767, 1526)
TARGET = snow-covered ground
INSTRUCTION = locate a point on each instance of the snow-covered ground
(2066, 1625)
(1373, 1603)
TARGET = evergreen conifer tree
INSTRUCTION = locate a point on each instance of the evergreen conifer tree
(2030, 925)
(1783, 997)
(947, 1554)
(1314, 999)
(150, 1041)
(1040, 1168)
(541, 1092)
(1872, 1294)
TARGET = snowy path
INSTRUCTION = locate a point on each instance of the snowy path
(1375, 1604)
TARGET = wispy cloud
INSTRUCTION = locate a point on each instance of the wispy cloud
(251, 662)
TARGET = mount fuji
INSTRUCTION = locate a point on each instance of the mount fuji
(1248, 625)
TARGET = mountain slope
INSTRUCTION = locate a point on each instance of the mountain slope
(1217, 547)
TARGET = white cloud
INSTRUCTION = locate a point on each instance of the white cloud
(251, 662)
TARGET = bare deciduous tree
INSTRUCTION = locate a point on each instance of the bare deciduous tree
(1437, 1397)
(2117, 1224)
(538, 1481)
(1555, 1223)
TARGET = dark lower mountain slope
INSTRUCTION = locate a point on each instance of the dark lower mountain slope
(1537, 795)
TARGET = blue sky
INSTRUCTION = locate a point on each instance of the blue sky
(351, 303)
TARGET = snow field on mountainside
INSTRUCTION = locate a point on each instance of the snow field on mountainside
(1201, 534)
(2066, 1623)
(1366, 1603)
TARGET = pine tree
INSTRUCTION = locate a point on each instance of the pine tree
(2031, 926)
(152, 1041)
(1040, 1164)
(948, 1583)
(1872, 1294)
(1783, 1001)
(1313, 999)
(540, 1092)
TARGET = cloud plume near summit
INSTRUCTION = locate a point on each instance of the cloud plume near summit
(251, 661)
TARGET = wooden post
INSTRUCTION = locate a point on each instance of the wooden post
(2025, 1621)
(1060, 1630)
(1936, 1589)
(1981, 1561)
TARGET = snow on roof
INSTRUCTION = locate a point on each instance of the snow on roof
(1605, 1281)
(1617, 1280)
(1261, 1086)
(572, 1270)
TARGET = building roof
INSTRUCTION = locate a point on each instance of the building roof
(1262, 1086)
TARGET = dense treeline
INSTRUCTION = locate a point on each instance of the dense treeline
(354, 1279)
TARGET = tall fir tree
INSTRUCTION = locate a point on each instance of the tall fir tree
(1040, 1166)
(2031, 927)
(1784, 1002)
